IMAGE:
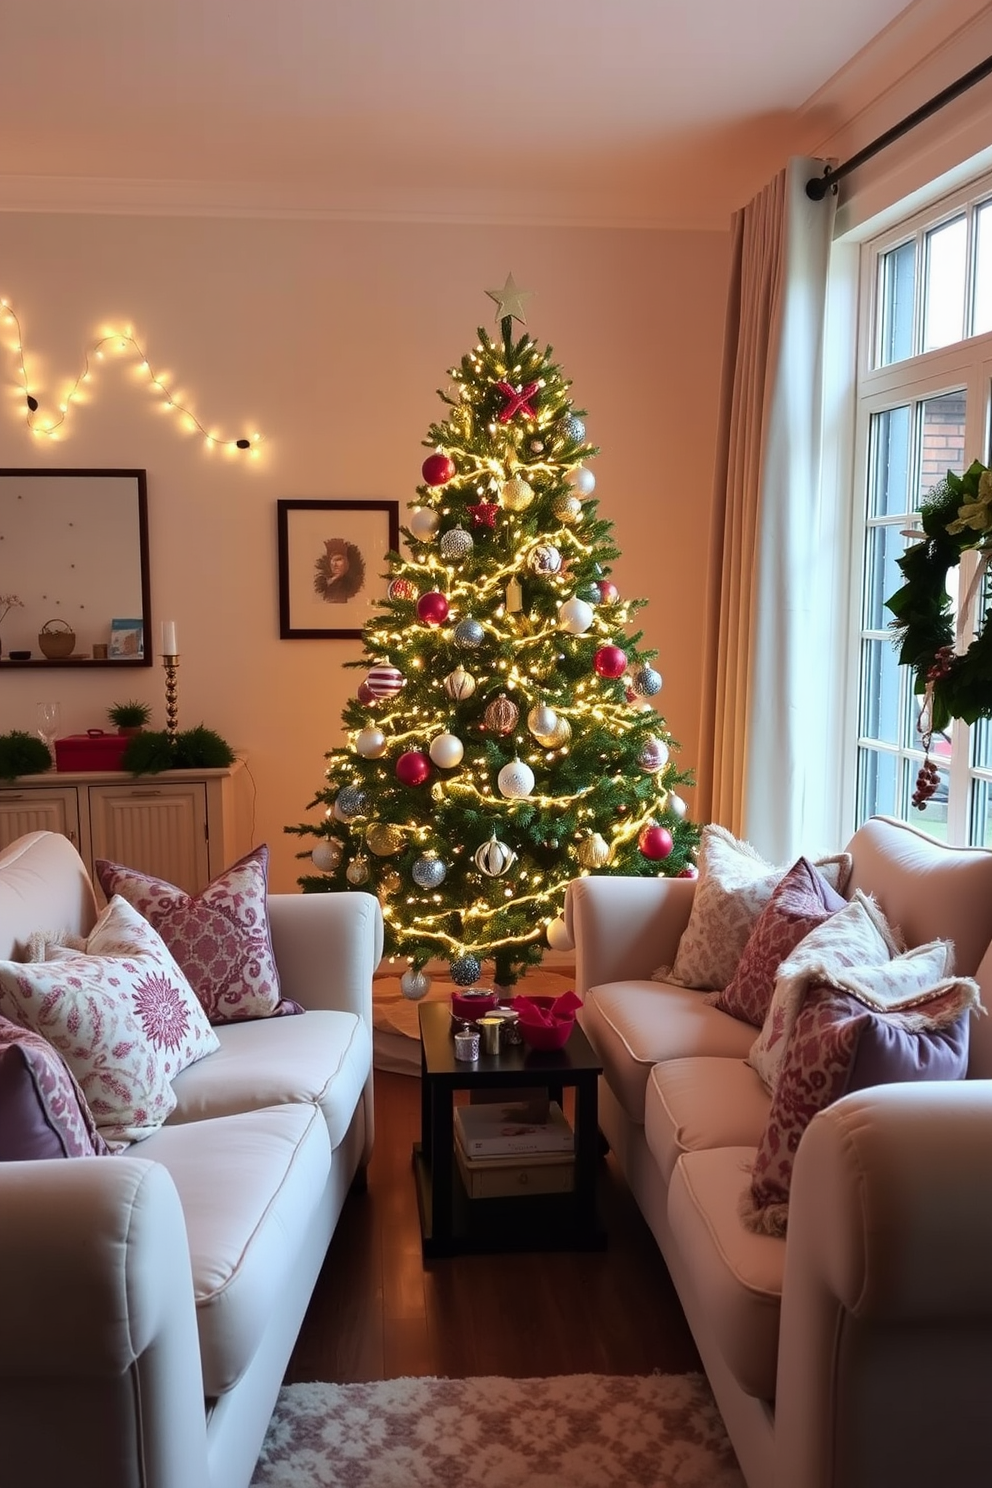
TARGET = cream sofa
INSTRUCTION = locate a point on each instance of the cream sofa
(152, 1299)
(857, 1351)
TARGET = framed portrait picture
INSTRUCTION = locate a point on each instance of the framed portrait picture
(332, 558)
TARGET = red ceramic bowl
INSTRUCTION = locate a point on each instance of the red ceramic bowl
(470, 1005)
(545, 1036)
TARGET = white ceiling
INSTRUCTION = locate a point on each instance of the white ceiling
(595, 110)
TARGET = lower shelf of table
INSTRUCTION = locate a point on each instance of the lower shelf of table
(491, 1226)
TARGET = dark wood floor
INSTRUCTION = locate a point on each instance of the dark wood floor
(380, 1311)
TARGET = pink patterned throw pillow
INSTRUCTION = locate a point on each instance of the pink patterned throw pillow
(43, 1112)
(801, 901)
(734, 885)
(220, 937)
(844, 1039)
(121, 1014)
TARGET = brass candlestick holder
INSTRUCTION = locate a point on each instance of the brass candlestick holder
(171, 664)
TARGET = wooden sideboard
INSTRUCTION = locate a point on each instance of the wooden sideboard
(185, 826)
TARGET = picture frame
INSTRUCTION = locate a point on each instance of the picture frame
(332, 556)
(127, 638)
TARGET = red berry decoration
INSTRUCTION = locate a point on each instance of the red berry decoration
(433, 608)
(413, 768)
(610, 661)
(608, 592)
(438, 470)
(655, 842)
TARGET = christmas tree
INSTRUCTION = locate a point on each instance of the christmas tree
(501, 742)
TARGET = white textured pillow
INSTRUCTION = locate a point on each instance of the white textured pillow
(734, 885)
(121, 1014)
(856, 936)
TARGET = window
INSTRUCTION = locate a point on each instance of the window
(924, 393)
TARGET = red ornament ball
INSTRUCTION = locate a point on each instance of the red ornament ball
(413, 768)
(433, 608)
(401, 589)
(689, 871)
(610, 661)
(438, 470)
(608, 592)
(655, 842)
(366, 696)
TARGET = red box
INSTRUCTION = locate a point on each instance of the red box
(95, 750)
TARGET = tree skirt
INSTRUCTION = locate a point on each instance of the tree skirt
(570, 1431)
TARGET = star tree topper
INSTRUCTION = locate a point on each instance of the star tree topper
(510, 300)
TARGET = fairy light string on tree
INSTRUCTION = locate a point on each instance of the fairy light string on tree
(502, 740)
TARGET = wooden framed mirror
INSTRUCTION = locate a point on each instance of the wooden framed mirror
(74, 553)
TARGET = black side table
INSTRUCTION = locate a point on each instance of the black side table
(451, 1222)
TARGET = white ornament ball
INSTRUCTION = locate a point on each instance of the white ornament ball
(327, 855)
(371, 743)
(542, 720)
(575, 616)
(544, 559)
(677, 807)
(558, 937)
(653, 754)
(447, 751)
(424, 523)
(581, 480)
(459, 684)
(415, 985)
(515, 780)
(494, 858)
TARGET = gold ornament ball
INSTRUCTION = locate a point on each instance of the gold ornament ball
(542, 720)
(516, 494)
(594, 851)
(567, 509)
(459, 684)
(389, 883)
(559, 735)
(383, 839)
(327, 855)
(357, 871)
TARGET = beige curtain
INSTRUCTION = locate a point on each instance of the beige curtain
(761, 765)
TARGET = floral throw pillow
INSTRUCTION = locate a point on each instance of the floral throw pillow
(801, 901)
(844, 1041)
(220, 937)
(734, 885)
(857, 935)
(120, 1013)
(43, 1112)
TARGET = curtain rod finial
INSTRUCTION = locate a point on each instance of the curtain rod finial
(818, 186)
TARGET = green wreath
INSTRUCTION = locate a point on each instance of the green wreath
(956, 518)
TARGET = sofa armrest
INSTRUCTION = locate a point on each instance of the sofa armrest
(327, 947)
(100, 1382)
(624, 928)
(887, 1301)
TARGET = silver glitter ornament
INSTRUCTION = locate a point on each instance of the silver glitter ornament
(465, 971)
(469, 633)
(646, 681)
(428, 872)
(415, 985)
(572, 428)
(351, 801)
(456, 543)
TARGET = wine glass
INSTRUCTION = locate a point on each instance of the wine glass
(49, 724)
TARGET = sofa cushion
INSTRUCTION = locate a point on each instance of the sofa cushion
(634, 1025)
(324, 1057)
(247, 1183)
(800, 901)
(121, 1014)
(692, 1104)
(843, 1040)
(734, 1272)
(220, 936)
(858, 935)
(43, 1112)
(734, 885)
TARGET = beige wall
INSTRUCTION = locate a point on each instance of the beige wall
(331, 339)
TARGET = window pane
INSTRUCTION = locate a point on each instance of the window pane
(897, 276)
(889, 479)
(945, 277)
(981, 813)
(981, 745)
(876, 784)
(942, 445)
(883, 545)
(983, 270)
(881, 717)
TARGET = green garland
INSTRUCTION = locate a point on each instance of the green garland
(956, 518)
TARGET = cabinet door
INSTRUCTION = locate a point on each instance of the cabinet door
(159, 829)
(48, 809)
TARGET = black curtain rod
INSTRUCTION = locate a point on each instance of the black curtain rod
(818, 186)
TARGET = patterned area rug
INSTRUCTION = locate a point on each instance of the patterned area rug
(572, 1431)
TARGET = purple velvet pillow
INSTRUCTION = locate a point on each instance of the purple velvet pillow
(802, 900)
(43, 1112)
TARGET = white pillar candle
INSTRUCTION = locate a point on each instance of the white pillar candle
(169, 646)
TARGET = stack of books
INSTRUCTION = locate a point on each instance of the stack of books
(503, 1152)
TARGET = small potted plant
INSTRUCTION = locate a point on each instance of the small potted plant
(129, 717)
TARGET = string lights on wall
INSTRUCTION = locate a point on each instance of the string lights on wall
(121, 343)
